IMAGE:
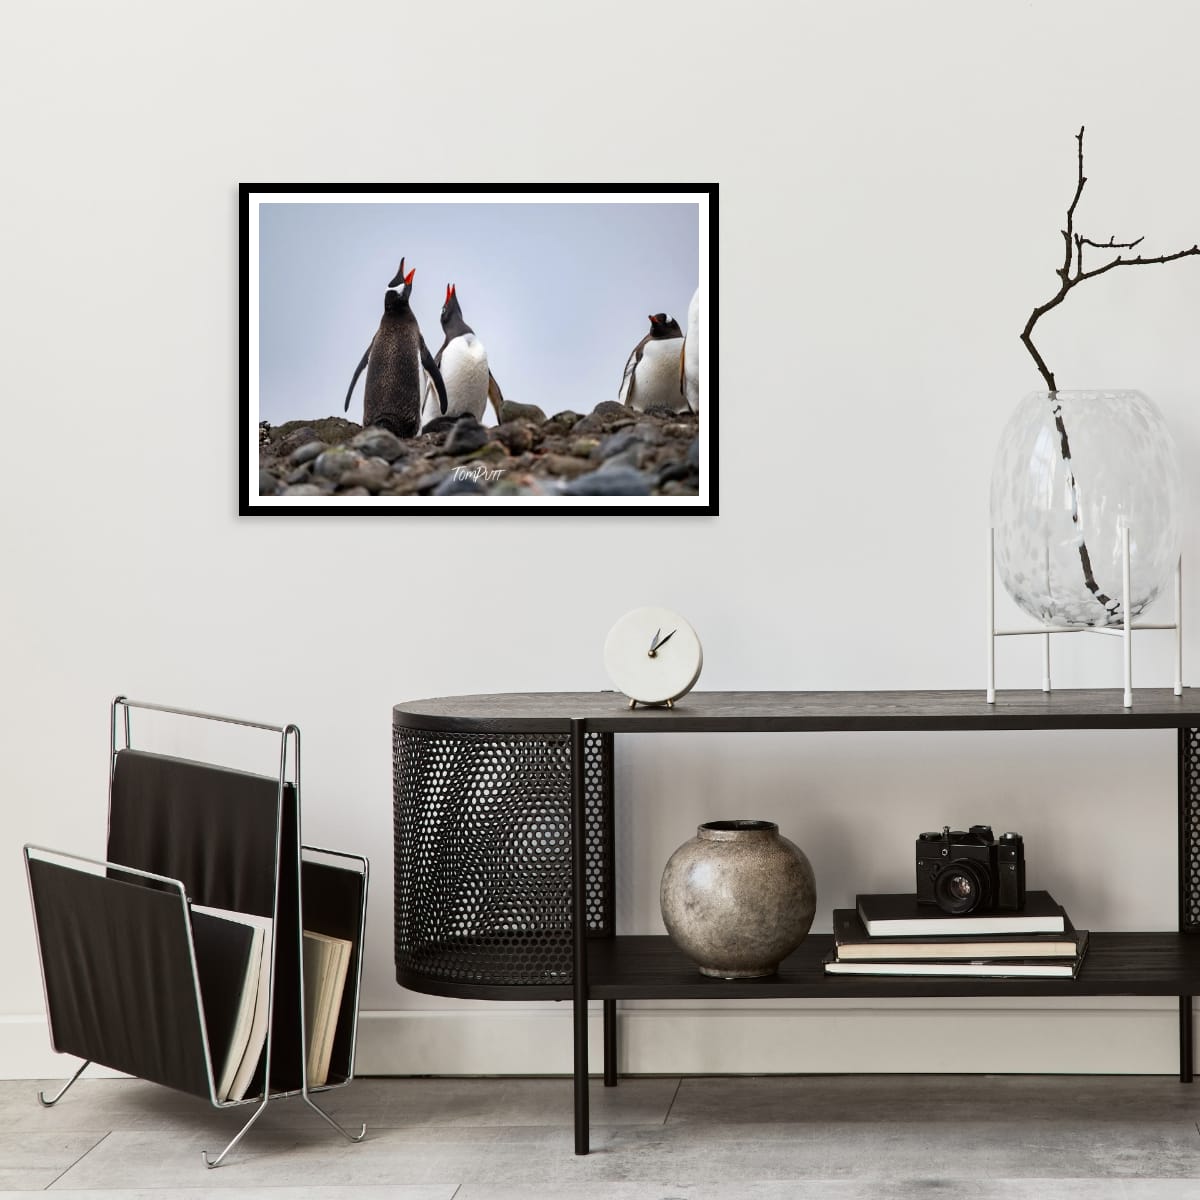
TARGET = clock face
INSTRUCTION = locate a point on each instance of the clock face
(653, 655)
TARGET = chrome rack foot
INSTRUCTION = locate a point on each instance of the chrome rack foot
(351, 1137)
(241, 1133)
(55, 1099)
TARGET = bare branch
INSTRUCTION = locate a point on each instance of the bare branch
(1111, 244)
(1139, 261)
(1073, 257)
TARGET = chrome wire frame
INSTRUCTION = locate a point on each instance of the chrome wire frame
(87, 1062)
(286, 732)
(362, 921)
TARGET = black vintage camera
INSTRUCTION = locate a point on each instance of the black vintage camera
(971, 872)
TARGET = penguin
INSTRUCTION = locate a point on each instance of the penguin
(463, 363)
(398, 365)
(689, 359)
(651, 378)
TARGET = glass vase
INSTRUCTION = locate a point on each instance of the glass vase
(1072, 470)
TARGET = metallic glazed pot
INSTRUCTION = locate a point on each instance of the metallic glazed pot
(738, 898)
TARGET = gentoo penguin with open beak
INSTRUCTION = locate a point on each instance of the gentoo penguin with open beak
(463, 363)
(689, 360)
(398, 365)
(651, 378)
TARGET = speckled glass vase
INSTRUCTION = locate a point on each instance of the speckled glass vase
(1072, 470)
(738, 898)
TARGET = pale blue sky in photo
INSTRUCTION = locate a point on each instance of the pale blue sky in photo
(559, 294)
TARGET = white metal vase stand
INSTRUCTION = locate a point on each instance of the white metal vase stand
(1124, 631)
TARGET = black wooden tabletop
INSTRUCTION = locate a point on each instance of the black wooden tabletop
(609, 712)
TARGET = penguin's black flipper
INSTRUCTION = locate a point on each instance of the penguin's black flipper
(626, 388)
(357, 372)
(495, 396)
(435, 373)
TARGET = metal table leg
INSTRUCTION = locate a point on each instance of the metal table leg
(1185, 1039)
(610, 1043)
(1189, 874)
(579, 934)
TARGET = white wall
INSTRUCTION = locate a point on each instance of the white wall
(893, 180)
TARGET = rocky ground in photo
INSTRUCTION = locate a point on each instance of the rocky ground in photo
(611, 451)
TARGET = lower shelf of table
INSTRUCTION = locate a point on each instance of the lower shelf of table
(652, 968)
(1117, 964)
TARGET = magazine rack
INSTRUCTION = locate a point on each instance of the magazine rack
(133, 983)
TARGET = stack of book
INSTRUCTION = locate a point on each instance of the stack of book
(894, 935)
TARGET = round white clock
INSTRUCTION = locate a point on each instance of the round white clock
(653, 655)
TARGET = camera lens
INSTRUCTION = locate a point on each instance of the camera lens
(961, 888)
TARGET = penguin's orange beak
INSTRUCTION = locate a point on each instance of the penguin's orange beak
(409, 277)
(449, 292)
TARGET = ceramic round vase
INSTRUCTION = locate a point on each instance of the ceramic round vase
(1072, 471)
(738, 898)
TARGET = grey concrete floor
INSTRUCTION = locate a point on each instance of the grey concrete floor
(881, 1137)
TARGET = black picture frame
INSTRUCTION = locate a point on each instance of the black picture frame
(329, 207)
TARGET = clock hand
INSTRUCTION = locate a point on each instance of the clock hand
(654, 643)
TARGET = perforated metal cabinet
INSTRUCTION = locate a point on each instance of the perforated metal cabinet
(483, 860)
(1189, 830)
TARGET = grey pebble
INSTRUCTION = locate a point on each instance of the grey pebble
(630, 459)
(306, 489)
(563, 464)
(609, 408)
(511, 411)
(306, 453)
(300, 474)
(613, 481)
(674, 471)
(466, 437)
(378, 443)
(518, 436)
(617, 443)
(590, 424)
(268, 485)
(372, 474)
(333, 464)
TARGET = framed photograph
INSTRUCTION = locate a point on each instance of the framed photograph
(478, 348)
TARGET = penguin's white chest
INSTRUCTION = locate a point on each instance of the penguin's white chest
(656, 376)
(465, 373)
(691, 355)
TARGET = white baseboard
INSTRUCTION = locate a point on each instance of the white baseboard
(661, 1041)
(1130, 1037)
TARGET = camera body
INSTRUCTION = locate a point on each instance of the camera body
(964, 872)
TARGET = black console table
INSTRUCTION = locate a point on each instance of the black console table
(504, 851)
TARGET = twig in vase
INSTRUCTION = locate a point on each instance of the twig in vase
(1071, 274)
